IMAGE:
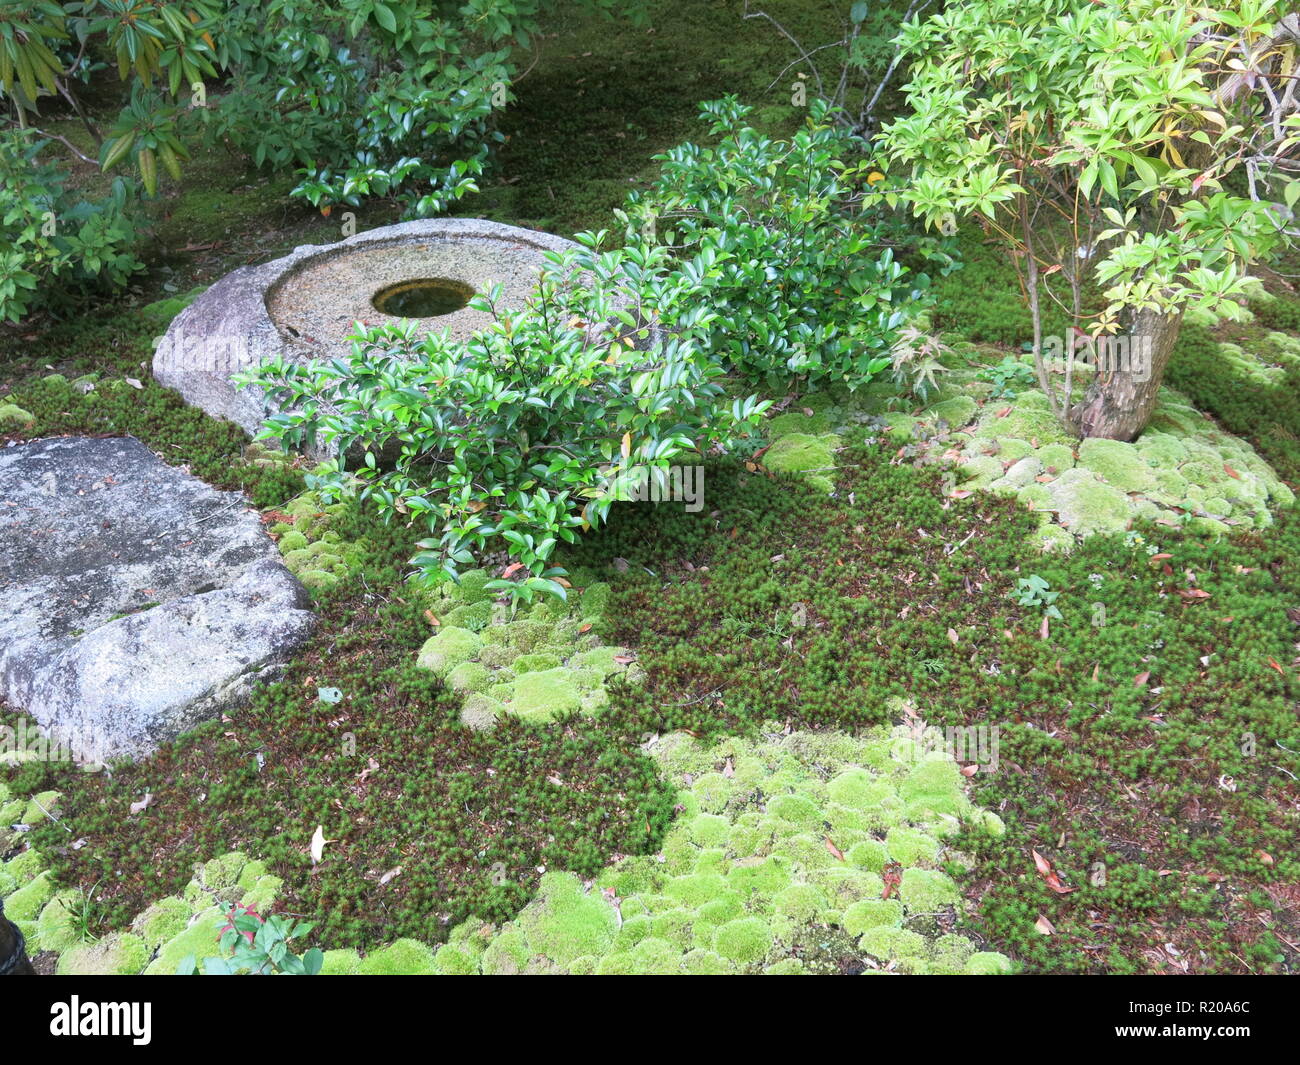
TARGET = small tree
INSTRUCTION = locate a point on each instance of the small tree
(1146, 148)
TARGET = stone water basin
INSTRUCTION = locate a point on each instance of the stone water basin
(304, 305)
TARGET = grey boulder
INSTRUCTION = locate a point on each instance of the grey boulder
(135, 601)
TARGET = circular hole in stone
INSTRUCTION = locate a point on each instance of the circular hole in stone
(423, 298)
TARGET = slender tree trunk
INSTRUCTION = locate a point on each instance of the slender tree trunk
(1121, 397)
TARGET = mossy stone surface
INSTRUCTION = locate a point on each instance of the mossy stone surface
(545, 695)
(448, 648)
(806, 455)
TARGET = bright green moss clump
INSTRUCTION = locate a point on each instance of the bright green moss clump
(801, 453)
(727, 901)
(14, 419)
(537, 666)
(721, 899)
(1181, 471)
(315, 553)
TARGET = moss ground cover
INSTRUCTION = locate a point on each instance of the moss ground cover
(1145, 740)
(794, 852)
(1133, 729)
(1263, 408)
(395, 781)
(92, 378)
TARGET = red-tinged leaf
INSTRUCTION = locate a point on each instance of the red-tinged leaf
(836, 853)
(1231, 472)
(1048, 874)
(1141, 679)
(623, 660)
(969, 770)
(960, 493)
(1193, 594)
(584, 628)
(1161, 557)
(893, 877)
(1003, 412)
(513, 568)
(432, 618)
(1264, 857)
(1273, 665)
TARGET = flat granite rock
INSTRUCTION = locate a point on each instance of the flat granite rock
(135, 601)
(303, 305)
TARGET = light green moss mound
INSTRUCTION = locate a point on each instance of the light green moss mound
(812, 457)
(448, 648)
(775, 864)
(537, 665)
(312, 550)
(764, 866)
(1182, 471)
(119, 954)
(405, 957)
(546, 695)
(14, 419)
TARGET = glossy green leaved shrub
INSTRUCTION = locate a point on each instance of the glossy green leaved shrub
(521, 435)
(53, 242)
(790, 245)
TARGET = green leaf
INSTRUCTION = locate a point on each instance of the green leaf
(385, 17)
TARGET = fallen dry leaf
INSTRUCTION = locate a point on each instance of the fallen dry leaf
(318, 842)
(893, 877)
(1048, 874)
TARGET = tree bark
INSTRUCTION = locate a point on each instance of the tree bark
(1120, 398)
(1118, 406)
